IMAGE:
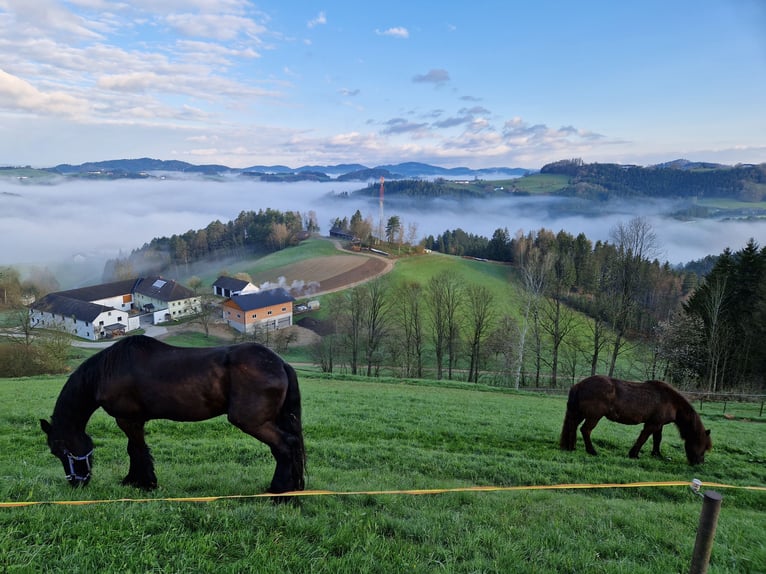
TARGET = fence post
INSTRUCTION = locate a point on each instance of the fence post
(711, 505)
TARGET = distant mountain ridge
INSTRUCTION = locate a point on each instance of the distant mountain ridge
(347, 172)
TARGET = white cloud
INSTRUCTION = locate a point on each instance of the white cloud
(17, 94)
(319, 20)
(396, 32)
(217, 26)
(49, 17)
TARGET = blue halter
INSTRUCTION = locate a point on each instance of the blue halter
(72, 472)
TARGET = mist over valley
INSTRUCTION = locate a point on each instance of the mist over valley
(87, 222)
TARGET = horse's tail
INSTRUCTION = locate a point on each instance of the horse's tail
(289, 420)
(572, 418)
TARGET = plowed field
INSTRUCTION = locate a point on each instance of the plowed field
(325, 274)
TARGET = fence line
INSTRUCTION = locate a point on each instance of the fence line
(409, 492)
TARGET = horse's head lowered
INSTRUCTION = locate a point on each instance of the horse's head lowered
(75, 452)
(697, 446)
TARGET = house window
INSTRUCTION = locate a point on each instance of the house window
(269, 313)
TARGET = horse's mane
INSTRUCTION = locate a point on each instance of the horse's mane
(78, 396)
(688, 421)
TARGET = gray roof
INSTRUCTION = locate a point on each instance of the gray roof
(103, 291)
(58, 304)
(163, 289)
(230, 283)
(263, 299)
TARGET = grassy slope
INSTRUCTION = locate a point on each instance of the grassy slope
(503, 282)
(308, 249)
(375, 436)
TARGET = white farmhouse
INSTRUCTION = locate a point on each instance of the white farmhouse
(96, 312)
(112, 309)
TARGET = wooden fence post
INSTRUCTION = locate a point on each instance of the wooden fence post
(711, 506)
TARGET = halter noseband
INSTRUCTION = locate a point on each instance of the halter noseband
(72, 472)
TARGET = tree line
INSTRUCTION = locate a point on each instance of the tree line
(249, 233)
(717, 336)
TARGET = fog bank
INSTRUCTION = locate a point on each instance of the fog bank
(93, 221)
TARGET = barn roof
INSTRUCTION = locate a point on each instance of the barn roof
(163, 289)
(103, 291)
(58, 304)
(230, 283)
(252, 301)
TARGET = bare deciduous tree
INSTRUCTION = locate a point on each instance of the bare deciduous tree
(409, 317)
(636, 244)
(480, 303)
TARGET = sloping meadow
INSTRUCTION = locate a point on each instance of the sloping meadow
(366, 441)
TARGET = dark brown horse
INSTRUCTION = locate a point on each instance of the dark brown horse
(653, 403)
(139, 379)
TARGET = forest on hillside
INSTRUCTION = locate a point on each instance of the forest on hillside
(607, 181)
(601, 182)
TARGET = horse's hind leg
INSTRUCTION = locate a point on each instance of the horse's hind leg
(141, 472)
(585, 430)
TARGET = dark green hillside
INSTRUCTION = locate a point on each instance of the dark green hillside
(423, 190)
(605, 181)
(124, 167)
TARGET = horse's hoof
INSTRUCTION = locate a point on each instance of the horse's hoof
(137, 484)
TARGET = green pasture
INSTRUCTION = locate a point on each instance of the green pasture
(24, 173)
(259, 265)
(541, 183)
(371, 436)
(731, 204)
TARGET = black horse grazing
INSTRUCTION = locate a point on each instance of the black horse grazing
(653, 403)
(139, 379)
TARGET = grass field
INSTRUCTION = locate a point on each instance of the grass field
(541, 183)
(373, 436)
(309, 249)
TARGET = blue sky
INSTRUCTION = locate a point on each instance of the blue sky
(477, 84)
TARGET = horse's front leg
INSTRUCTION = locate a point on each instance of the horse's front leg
(646, 432)
(141, 471)
(656, 440)
(586, 428)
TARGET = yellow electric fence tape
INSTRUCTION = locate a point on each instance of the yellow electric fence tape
(380, 492)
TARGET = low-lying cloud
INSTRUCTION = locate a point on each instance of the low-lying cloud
(75, 220)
